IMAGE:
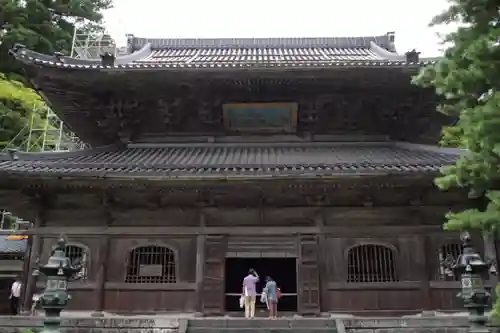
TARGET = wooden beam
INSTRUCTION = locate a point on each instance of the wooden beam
(342, 231)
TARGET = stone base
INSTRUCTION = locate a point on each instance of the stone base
(188, 323)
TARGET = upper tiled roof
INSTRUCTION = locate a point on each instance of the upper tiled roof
(247, 160)
(266, 50)
(185, 54)
(383, 41)
(199, 57)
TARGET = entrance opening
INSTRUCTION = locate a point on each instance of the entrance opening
(5, 285)
(282, 270)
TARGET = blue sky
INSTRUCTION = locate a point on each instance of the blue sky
(280, 18)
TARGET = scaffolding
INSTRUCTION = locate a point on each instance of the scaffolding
(45, 132)
(52, 135)
(91, 46)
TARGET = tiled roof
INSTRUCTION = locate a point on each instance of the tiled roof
(259, 53)
(253, 160)
(265, 50)
(198, 57)
(12, 246)
(247, 43)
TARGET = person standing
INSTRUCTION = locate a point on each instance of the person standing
(271, 292)
(15, 295)
(250, 292)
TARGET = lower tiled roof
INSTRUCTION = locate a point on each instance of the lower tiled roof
(232, 160)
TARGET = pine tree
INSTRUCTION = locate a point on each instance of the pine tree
(468, 80)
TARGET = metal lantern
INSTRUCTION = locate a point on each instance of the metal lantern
(470, 269)
(58, 271)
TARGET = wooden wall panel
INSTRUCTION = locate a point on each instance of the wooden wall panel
(371, 300)
(81, 300)
(446, 299)
(150, 301)
(155, 217)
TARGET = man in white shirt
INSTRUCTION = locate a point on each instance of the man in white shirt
(15, 296)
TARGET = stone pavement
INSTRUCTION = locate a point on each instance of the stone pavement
(86, 322)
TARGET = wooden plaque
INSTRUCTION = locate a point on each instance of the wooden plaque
(261, 117)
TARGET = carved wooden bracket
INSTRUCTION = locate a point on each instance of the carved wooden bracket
(210, 112)
(169, 111)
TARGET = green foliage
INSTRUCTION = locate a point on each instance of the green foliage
(46, 27)
(18, 106)
(468, 79)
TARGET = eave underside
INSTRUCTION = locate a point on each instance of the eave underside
(105, 108)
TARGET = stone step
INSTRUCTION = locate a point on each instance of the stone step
(261, 325)
(261, 330)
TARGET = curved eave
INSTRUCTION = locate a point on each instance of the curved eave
(34, 58)
(31, 56)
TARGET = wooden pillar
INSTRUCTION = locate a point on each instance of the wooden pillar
(26, 272)
(323, 260)
(425, 275)
(35, 252)
(490, 254)
(103, 256)
(99, 291)
(200, 265)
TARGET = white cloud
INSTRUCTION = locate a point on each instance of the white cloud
(279, 18)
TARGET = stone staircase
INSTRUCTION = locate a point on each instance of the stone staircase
(261, 325)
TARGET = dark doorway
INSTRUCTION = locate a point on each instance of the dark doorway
(282, 270)
(5, 285)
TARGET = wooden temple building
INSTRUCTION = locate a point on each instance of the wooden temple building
(309, 159)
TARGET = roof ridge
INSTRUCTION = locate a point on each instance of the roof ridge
(261, 42)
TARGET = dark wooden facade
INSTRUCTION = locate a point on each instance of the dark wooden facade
(157, 215)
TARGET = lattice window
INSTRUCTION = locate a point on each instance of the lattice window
(151, 264)
(447, 256)
(78, 255)
(371, 263)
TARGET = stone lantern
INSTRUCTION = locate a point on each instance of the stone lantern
(55, 297)
(470, 269)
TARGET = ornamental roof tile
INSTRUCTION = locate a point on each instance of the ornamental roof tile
(188, 160)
